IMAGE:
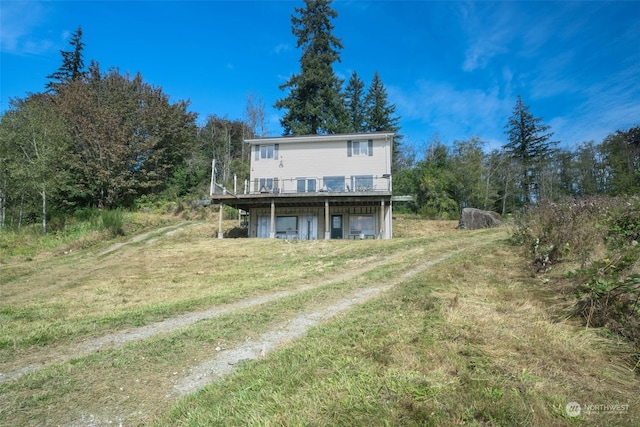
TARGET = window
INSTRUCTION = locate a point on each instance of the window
(265, 185)
(362, 224)
(359, 148)
(362, 183)
(333, 183)
(306, 185)
(266, 151)
(311, 185)
(287, 227)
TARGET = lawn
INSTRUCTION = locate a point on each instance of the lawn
(459, 333)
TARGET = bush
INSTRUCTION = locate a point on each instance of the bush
(113, 220)
(570, 229)
(602, 234)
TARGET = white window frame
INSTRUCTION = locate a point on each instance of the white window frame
(266, 151)
(360, 148)
(357, 225)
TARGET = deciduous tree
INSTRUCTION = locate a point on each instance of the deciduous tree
(128, 139)
(35, 135)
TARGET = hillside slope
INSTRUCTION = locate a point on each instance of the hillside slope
(442, 328)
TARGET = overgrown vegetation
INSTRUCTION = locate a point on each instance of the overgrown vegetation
(601, 235)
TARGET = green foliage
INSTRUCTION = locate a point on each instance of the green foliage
(607, 287)
(354, 98)
(621, 152)
(529, 143)
(128, 138)
(72, 63)
(314, 104)
(113, 221)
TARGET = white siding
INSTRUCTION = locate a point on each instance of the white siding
(312, 159)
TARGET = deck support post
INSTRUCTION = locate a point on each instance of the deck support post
(327, 220)
(220, 213)
(382, 222)
(272, 232)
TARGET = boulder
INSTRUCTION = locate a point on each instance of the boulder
(475, 219)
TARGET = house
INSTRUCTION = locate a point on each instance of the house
(317, 187)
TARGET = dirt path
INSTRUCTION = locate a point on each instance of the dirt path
(222, 360)
(120, 338)
(166, 231)
(224, 363)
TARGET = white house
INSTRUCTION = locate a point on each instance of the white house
(318, 187)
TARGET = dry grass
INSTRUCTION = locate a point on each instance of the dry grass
(467, 341)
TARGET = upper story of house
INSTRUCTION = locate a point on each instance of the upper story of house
(340, 163)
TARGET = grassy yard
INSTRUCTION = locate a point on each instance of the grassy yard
(470, 340)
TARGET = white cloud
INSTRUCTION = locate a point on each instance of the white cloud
(455, 114)
(282, 47)
(18, 21)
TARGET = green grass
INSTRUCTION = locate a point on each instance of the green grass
(404, 359)
(470, 340)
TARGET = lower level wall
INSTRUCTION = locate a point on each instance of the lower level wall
(311, 224)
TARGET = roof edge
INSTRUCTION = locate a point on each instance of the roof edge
(321, 138)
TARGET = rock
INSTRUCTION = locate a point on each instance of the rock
(475, 219)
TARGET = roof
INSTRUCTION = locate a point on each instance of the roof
(320, 138)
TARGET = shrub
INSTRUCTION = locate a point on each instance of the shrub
(602, 234)
(113, 220)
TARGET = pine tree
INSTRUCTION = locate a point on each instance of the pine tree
(354, 97)
(72, 63)
(380, 116)
(530, 144)
(315, 103)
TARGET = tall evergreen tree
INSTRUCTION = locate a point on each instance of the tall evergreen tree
(354, 97)
(530, 144)
(315, 103)
(72, 63)
(380, 116)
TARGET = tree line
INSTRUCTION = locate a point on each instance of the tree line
(104, 139)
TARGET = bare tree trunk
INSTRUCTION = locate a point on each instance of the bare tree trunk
(44, 210)
(20, 211)
(504, 196)
(2, 209)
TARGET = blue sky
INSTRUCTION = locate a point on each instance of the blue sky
(452, 68)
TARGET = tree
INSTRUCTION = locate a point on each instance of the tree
(72, 63)
(435, 183)
(354, 97)
(315, 103)
(467, 164)
(589, 166)
(36, 136)
(128, 139)
(380, 116)
(529, 144)
(622, 161)
(255, 116)
(222, 140)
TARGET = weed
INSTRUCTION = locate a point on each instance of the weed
(113, 221)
